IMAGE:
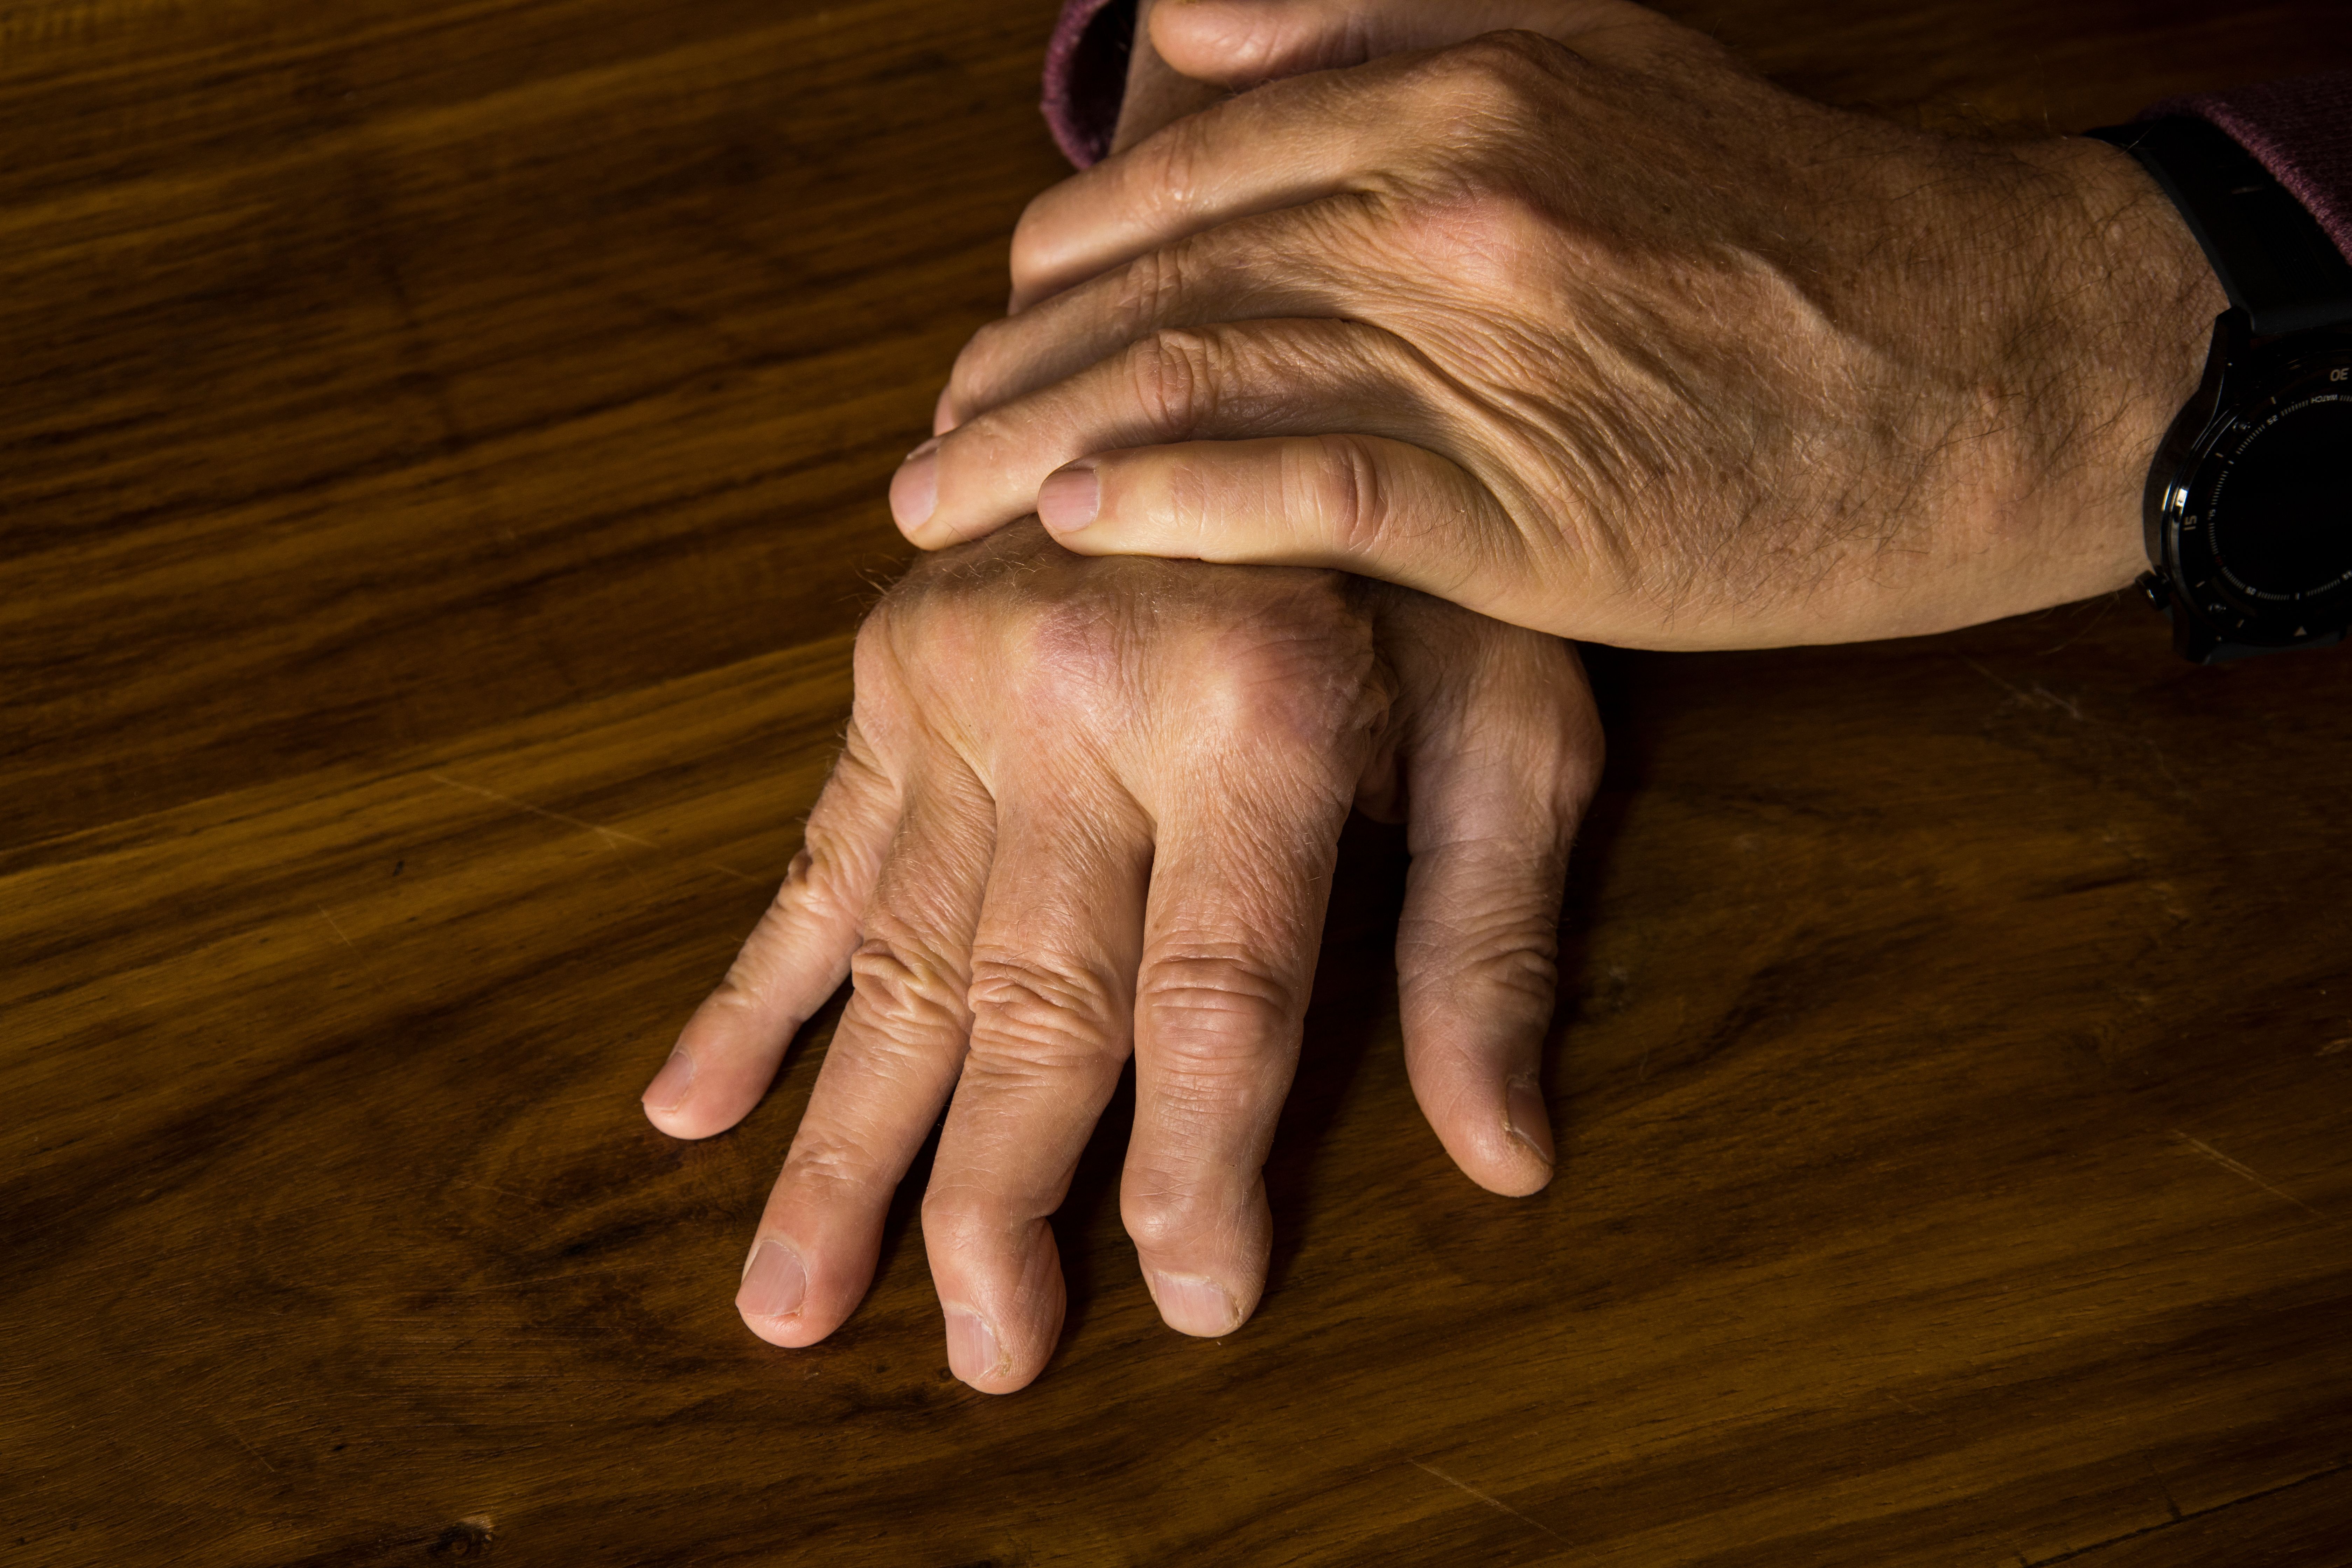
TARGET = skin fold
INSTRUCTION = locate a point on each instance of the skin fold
(1582, 325)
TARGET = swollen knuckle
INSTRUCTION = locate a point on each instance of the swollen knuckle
(1169, 173)
(1033, 1021)
(910, 991)
(1162, 1213)
(1297, 676)
(1146, 289)
(958, 1216)
(1172, 376)
(1501, 73)
(1067, 651)
(1486, 233)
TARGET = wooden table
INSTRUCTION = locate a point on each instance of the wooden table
(442, 447)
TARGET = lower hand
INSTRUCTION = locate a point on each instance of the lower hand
(1087, 808)
(1595, 331)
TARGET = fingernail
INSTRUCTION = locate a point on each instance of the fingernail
(1191, 1305)
(915, 488)
(667, 1090)
(773, 1282)
(971, 1347)
(941, 420)
(1528, 1117)
(1069, 500)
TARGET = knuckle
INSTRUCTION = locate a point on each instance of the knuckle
(959, 1216)
(1069, 651)
(1488, 231)
(1216, 1015)
(875, 669)
(1146, 289)
(973, 383)
(1502, 73)
(1509, 953)
(1172, 376)
(1162, 1213)
(1298, 674)
(1342, 484)
(1033, 255)
(911, 993)
(826, 1165)
(1171, 173)
(1034, 1022)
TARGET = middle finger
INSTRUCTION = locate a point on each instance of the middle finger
(1052, 983)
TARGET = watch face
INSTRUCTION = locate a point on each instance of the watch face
(2262, 523)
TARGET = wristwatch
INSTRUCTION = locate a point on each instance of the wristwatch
(2248, 509)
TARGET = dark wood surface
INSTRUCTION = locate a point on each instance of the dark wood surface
(442, 445)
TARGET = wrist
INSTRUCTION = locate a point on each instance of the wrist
(2134, 301)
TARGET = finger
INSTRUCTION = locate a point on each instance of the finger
(1240, 43)
(1259, 378)
(1233, 923)
(1288, 142)
(1053, 985)
(1223, 275)
(1498, 772)
(892, 1063)
(1277, 148)
(795, 959)
(1375, 507)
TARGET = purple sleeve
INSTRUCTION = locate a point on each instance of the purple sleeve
(2301, 130)
(1086, 76)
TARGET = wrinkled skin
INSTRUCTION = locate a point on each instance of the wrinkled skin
(1088, 809)
(1585, 327)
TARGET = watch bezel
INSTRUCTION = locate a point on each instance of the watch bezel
(2244, 377)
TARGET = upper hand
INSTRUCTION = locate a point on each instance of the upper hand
(1597, 332)
(1090, 806)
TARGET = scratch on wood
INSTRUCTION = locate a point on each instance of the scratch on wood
(535, 1279)
(239, 1438)
(609, 835)
(2236, 1169)
(333, 927)
(1489, 1502)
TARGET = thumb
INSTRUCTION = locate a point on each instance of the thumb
(1240, 43)
(1366, 504)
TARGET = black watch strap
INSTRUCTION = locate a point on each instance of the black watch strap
(2271, 254)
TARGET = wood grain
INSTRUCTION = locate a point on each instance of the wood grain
(441, 460)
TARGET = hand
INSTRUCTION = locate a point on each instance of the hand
(1087, 806)
(1597, 332)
